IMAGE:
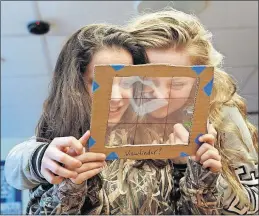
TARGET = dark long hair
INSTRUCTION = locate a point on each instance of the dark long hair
(67, 110)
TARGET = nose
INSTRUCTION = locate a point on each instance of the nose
(116, 96)
(161, 92)
(116, 93)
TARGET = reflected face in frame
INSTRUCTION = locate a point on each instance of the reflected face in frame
(108, 56)
(120, 99)
(177, 88)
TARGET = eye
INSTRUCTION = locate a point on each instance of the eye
(177, 85)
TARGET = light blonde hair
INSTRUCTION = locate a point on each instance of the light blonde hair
(181, 31)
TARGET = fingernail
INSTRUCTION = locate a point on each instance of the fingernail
(79, 164)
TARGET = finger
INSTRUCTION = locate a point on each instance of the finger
(210, 154)
(71, 152)
(207, 138)
(155, 142)
(86, 175)
(50, 177)
(90, 166)
(83, 140)
(63, 158)
(72, 142)
(55, 168)
(203, 148)
(91, 157)
(193, 158)
(213, 165)
(181, 134)
(171, 139)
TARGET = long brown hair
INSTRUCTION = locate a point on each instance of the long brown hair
(66, 111)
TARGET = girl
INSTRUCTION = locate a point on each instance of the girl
(176, 38)
(124, 186)
(70, 98)
(120, 128)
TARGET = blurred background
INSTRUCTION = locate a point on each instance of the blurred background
(27, 60)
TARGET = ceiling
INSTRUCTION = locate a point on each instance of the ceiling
(28, 60)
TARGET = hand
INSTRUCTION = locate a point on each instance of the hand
(179, 136)
(93, 164)
(207, 154)
(57, 154)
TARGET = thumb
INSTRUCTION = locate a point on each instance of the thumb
(181, 135)
(83, 140)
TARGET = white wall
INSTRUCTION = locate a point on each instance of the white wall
(253, 119)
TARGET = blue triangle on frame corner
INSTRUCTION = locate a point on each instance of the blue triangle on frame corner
(208, 88)
(117, 67)
(183, 154)
(112, 156)
(198, 68)
(95, 86)
(91, 142)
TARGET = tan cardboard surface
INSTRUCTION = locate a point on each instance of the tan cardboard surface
(100, 111)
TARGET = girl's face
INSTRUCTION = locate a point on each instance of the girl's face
(178, 89)
(119, 99)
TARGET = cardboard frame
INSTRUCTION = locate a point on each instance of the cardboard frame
(102, 87)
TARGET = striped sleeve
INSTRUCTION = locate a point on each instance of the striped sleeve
(36, 159)
(19, 172)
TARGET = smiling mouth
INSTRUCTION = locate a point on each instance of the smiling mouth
(115, 111)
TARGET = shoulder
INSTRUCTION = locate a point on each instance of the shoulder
(236, 131)
(233, 115)
(231, 112)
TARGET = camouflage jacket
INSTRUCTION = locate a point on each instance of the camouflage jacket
(123, 189)
(48, 199)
